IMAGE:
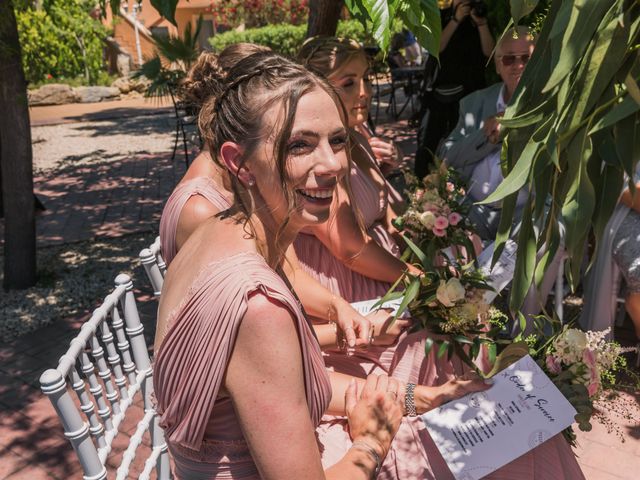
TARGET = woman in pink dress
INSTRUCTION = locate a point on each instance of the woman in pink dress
(205, 190)
(238, 375)
(321, 250)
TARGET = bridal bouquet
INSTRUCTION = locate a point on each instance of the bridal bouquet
(436, 217)
(583, 365)
(449, 302)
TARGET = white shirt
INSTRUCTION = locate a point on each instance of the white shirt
(487, 174)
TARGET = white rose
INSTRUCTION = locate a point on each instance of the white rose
(450, 292)
(576, 339)
(455, 290)
(428, 219)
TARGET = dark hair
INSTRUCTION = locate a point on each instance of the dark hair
(196, 86)
(235, 109)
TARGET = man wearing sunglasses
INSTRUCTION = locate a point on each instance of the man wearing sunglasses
(473, 147)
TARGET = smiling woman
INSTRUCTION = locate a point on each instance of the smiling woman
(238, 369)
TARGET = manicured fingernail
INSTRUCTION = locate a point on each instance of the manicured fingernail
(488, 381)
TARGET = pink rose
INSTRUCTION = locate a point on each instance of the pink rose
(429, 207)
(454, 218)
(441, 223)
(589, 359)
(450, 187)
(439, 232)
(553, 364)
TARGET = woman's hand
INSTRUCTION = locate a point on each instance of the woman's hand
(385, 152)
(428, 398)
(385, 329)
(354, 328)
(375, 413)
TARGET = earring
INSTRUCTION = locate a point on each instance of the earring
(251, 182)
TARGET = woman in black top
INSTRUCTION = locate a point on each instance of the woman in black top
(465, 46)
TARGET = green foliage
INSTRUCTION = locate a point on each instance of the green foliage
(572, 132)
(171, 62)
(284, 39)
(61, 40)
(259, 13)
(422, 17)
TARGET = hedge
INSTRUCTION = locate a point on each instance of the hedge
(283, 38)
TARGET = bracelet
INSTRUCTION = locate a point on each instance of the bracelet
(409, 402)
(365, 447)
(341, 340)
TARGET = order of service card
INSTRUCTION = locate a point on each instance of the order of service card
(480, 432)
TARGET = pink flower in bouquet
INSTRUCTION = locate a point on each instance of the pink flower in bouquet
(441, 223)
(553, 364)
(589, 359)
(419, 194)
(429, 207)
(450, 187)
(454, 218)
(439, 233)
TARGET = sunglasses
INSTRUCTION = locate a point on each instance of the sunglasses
(508, 60)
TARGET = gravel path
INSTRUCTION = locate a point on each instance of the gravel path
(83, 143)
(74, 278)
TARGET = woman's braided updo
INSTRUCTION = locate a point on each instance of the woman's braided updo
(239, 99)
(209, 68)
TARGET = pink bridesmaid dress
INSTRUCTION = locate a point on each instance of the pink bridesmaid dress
(413, 455)
(203, 186)
(202, 429)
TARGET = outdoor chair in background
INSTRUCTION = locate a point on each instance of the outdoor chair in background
(111, 342)
(407, 79)
(186, 119)
(154, 265)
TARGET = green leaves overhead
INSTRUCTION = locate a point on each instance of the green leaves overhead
(572, 130)
(422, 17)
(166, 8)
(521, 8)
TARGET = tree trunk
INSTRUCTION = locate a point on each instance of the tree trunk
(15, 159)
(323, 17)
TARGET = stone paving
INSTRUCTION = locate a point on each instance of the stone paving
(127, 196)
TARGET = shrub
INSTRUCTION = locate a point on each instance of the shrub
(61, 40)
(283, 38)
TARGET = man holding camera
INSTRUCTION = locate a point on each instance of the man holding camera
(465, 46)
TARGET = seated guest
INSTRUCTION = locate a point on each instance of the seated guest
(239, 377)
(205, 190)
(618, 254)
(473, 147)
(320, 251)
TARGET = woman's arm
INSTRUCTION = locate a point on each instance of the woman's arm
(487, 43)
(195, 212)
(425, 398)
(630, 200)
(353, 247)
(265, 380)
(319, 302)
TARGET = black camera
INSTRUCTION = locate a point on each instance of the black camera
(479, 8)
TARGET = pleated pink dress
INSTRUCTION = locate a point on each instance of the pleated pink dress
(201, 427)
(412, 455)
(203, 186)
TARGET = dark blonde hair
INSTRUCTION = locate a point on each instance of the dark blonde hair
(325, 55)
(235, 109)
(196, 86)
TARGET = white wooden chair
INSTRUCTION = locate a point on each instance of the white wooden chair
(154, 265)
(108, 365)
